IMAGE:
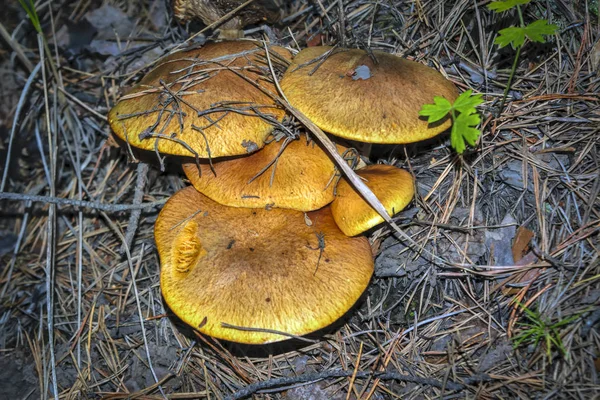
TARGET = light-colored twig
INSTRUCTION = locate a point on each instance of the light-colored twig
(138, 196)
(111, 208)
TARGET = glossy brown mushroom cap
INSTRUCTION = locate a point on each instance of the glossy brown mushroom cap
(301, 177)
(394, 187)
(351, 96)
(256, 269)
(192, 103)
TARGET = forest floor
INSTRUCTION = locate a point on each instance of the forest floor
(518, 216)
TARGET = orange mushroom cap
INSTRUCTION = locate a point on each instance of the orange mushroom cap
(394, 187)
(192, 103)
(350, 95)
(300, 178)
(258, 269)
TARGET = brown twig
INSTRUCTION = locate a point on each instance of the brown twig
(318, 376)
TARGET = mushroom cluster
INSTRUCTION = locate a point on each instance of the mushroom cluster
(266, 244)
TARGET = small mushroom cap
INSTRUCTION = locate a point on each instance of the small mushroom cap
(255, 268)
(210, 11)
(169, 98)
(301, 178)
(352, 97)
(394, 187)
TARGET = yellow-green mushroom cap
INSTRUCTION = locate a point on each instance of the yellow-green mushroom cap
(193, 104)
(394, 187)
(224, 267)
(301, 177)
(351, 96)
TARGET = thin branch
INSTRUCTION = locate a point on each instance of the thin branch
(111, 208)
(138, 196)
(337, 373)
(264, 330)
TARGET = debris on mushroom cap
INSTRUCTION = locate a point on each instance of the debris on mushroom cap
(350, 95)
(210, 11)
(393, 186)
(258, 269)
(300, 178)
(192, 103)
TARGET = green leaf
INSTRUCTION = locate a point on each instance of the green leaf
(464, 114)
(538, 29)
(504, 5)
(457, 141)
(464, 130)
(467, 102)
(436, 111)
(513, 35)
(29, 7)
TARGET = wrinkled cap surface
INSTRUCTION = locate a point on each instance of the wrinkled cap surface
(301, 177)
(394, 187)
(191, 103)
(256, 269)
(351, 96)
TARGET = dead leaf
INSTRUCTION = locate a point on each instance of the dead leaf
(521, 243)
(314, 41)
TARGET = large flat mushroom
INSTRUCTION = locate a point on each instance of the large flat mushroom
(300, 176)
(243, 274)
(194, 103)
(372, 98)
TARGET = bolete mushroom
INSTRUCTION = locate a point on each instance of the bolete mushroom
(253, 275)
(202, 102)
(211, 11)
(368, 97)
(394, 187)
(298, 176)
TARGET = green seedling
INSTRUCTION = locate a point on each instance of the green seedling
(465, 118)
(515, 36)
(29, 7)
(537, 330)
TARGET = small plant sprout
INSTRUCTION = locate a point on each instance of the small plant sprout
(29, 7)
(538, 330)
(515, 36)
(465, 118)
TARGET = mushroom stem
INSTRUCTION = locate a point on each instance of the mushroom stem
(363, 148)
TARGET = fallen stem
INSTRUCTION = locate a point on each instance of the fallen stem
(337, 373)
(112, 208)
(514, 66)
(138, 196)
